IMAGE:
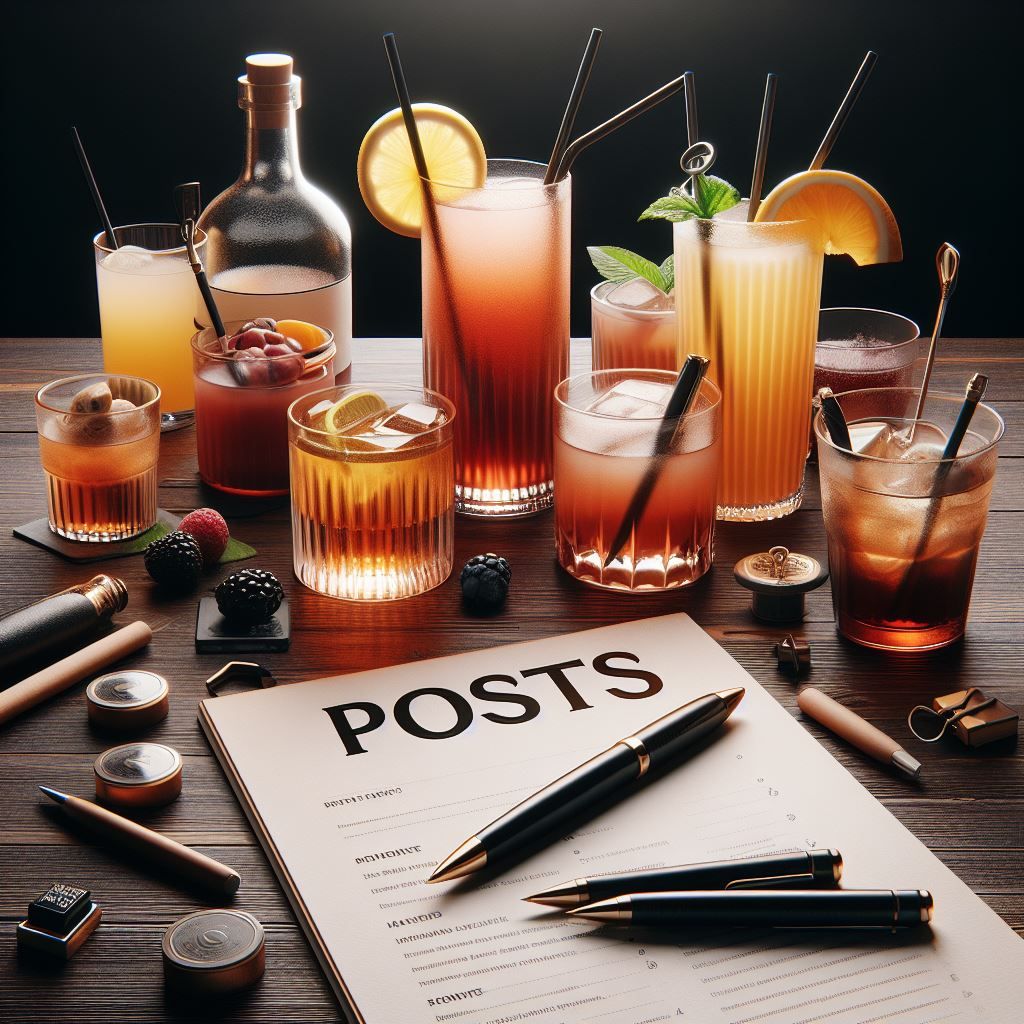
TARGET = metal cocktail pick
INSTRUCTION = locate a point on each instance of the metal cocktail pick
(188, 205)
(947, 263)
(684, 393)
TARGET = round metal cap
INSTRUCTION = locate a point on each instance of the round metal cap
(138, 774)
(778, 579)
(128, 699)
(214, 950)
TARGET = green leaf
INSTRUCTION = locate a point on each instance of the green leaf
(715, 195)
(673, 208)
(235, 552)
(668, 271)
(617, 264)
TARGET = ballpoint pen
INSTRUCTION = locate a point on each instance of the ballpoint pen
(766, 908)
(812, 869)
(615, 770)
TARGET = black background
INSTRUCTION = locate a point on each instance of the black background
(151, 86)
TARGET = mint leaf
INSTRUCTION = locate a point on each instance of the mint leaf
(614, 263)
(673, 208)
(713, 195)
(668, 271)
(236, 551)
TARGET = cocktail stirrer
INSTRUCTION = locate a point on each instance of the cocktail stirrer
(94, 189)
(947, 263)
(187, 202)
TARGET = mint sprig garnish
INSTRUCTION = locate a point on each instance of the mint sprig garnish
(711, 195)
(614, 263)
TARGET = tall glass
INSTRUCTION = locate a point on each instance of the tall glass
(622, 336)
(606, 427)
(99, 443)
(373, 503)
(747, 297)
(904, 526)
(496, 330)
(148, 303)
(242, 411)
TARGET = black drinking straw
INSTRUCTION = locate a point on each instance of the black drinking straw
(845, 108)
(573, 106)
(975, 392)
(188, 205)
(684, 393)
(835, 420)
(90, 180)
(405, 102)
(576, 147)
(764, 133)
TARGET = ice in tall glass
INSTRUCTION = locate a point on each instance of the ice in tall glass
(747, 297)
(496, 329)
(148, 302)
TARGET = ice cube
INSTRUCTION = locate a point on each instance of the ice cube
(874, 439)
(129, 259)
(640, 294)
(315, 414)
(412, 418)
(632, 399)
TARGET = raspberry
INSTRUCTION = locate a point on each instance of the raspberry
(175, 561)
(210, 531)
(249, 597)
(485, 581)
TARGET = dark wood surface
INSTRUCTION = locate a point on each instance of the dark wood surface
(968, 807)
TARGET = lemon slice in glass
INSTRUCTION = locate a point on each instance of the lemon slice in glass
(352, 410)
(853, 216)
(388, 180)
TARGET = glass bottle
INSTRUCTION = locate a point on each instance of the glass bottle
(277, 245)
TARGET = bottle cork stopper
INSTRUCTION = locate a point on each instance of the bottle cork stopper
(269, 68)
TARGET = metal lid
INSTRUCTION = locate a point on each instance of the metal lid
(127, 691)
(139, 774)
(212, 940)
(778, 579)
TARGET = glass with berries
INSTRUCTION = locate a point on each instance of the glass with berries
(244, 383)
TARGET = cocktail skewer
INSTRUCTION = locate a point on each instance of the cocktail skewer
(576, 147)
(188, 205)
(90, 180)
(975, 392)
(845, 108)
(764, 133)
(947, 264)
(692, 129)
(684, 393)
(573, 106)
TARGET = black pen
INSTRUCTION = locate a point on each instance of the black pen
(614, 770)
(766, 908)
(812, 869)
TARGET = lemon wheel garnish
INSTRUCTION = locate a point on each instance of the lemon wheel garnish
(388, 180)
(853, 216)
(352, 410)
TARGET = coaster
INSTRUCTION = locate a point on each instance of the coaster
(215, 635)
(38, 532)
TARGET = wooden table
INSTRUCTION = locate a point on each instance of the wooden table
(968, 808)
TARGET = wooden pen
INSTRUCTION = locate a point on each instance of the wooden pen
(124, 834)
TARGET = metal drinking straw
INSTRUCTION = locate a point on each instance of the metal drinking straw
(573, 106)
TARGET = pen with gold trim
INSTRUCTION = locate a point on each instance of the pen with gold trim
(614, 770)
(766, 908)
(811, 869)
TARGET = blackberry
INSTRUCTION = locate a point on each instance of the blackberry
(485, 581)
(175, 561)
(249, 597)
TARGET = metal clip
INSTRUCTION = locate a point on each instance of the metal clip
(793, 655)
(804, 880)
(249, 673)
(948, 716)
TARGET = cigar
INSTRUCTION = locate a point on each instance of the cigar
(123, 834)
(48, 682)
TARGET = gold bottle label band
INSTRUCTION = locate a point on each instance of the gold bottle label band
(640, 750)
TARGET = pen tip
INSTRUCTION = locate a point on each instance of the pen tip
(469, 857)
(732, 697)
(54, 794)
